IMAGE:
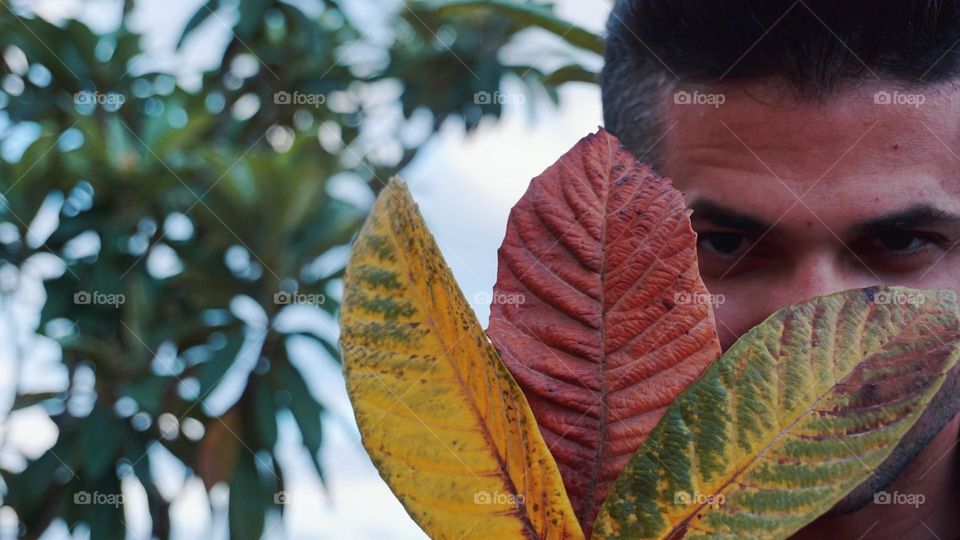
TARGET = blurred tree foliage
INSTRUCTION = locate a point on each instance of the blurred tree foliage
(168, 209)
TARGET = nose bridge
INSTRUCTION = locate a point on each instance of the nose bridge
(820, 273)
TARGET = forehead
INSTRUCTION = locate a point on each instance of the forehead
(862, 151)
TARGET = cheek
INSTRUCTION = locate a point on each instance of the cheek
(943, 275)
(737, 311)
(729, 325)
(743, 304)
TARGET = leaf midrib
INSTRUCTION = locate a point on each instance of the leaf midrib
(587, 502)
(431, 322)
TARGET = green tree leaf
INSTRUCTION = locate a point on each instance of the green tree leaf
(528, 14)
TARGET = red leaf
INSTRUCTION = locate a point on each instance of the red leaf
(599, 311)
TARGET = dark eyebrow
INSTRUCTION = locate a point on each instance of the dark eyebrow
(722, 216)
(922, 215)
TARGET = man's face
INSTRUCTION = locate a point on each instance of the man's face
(794, 200)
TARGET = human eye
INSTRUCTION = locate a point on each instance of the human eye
(900, 250)
(726, 253)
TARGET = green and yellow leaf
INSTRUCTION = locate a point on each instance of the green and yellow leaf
(441, 417)
(794, 416)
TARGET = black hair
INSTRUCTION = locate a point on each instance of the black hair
(816, 46)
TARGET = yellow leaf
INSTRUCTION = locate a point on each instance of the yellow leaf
(799, 412)
(441, 417)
